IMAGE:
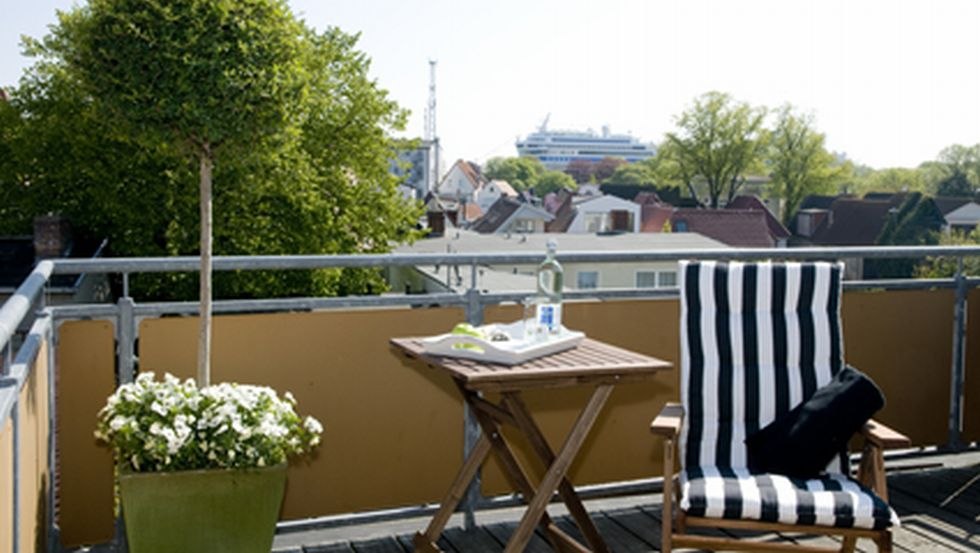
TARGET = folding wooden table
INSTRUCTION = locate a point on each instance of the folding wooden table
(591, 363)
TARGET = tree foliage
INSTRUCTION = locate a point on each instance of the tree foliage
(798, 163)
(319, 185)
(520, 172)
(716, 141)
(553, 181)
(916, 222)
(633, 173)
(945, 267)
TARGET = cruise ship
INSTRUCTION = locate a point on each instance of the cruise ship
(556, 149)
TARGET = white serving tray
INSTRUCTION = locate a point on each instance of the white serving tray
(510, 352)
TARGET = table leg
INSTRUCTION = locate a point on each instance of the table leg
(512, 469)
(556, 472)
(425, 541)
(533, 433)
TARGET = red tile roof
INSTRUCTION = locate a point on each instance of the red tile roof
(776, 229)
(745, 228)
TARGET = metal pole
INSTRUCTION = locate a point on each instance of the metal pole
(127, 335)
(959, 345)
(471, 429)
(54, 536)
(15, 491)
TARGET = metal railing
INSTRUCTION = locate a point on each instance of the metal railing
(27, 301)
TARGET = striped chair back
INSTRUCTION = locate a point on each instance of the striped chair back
(757, 339)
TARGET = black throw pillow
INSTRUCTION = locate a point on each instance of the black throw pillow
(802, 442)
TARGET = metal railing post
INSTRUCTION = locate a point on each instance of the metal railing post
(127, 336)
(957, 370)
(15, 491)
(471, 429)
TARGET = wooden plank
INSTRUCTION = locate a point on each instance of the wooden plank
(465, 541)
(935, 524)
(643, 526)
(503, 532)
(383, 545)
(668, 422)
(343, 547)
(407, 541)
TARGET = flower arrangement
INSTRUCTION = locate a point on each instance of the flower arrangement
(171, 425)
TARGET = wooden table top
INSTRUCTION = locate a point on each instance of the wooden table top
(591, 362)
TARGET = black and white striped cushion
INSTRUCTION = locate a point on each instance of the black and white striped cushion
(833, 500)
(758, 339)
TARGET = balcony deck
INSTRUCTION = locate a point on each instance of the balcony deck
(937, 498)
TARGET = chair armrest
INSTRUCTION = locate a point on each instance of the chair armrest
(668, 422)
(884, 437)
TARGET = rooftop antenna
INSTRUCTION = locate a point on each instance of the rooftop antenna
(544, 124)
(431, 136)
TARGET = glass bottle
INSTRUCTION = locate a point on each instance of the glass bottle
(548, 297)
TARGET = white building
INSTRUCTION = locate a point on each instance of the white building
(461, 182)
(604, 214)
(519, 277)
(489, 193)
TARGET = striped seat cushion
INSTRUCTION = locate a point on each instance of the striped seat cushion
(833, 500)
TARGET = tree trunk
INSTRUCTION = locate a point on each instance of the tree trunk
(204, 338)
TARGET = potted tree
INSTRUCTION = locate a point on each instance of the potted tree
(202, 469)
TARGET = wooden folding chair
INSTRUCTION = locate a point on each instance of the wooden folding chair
(757, 339)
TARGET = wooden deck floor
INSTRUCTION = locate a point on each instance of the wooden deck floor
(939, 505)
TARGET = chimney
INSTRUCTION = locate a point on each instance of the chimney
(435, 215)
(808, 220)
(52, 236)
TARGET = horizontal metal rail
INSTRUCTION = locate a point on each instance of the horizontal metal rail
(16, 308)
(267, 262)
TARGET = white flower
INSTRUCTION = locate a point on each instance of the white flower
(187, 428)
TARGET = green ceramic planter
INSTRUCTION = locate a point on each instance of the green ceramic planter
(202, 511)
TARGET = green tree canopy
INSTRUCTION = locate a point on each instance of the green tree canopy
(916, 222)
(553, 181)
(520, 172)
(798, 163)
(716, 142)
(633, 173)
(320, 185)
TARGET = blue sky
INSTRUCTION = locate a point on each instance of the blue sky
(890, 83)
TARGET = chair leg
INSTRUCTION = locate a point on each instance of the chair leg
(884, 542)
(667, 516)
(849, 543)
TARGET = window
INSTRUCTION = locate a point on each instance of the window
(588, 279)
(646, 279)
(656, 279)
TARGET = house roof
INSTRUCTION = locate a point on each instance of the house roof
(776, 228)
(505, 188)
(464, 241)
(471, 211)
(853, 222)
(745, 228)
(563, 211)
(948, 204)
(506, 209)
